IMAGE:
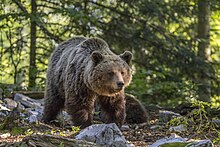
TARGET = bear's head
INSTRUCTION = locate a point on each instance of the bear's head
(110, 74)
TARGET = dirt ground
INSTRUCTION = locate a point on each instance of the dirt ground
(138, 134)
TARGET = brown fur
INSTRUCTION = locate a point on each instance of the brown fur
(81, 69)
(136, 113)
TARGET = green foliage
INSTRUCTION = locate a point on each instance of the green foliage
(215, 101)
(2, 126)
(196, 118)
(17, 131)
(198, 121)
(10, 124)
(175, 144)
(162, 35)
(61, 144)
(28, 132)
(217, 140)
(152, 87)
(75, 129)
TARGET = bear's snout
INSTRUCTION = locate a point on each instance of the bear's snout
(120, 84)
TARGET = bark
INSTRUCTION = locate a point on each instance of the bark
(32, 57)
(39, 24)
(204, 51)
(31, 94)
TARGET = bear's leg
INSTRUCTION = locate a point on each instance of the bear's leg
(81, 111)
(52, 105)
(112, 109)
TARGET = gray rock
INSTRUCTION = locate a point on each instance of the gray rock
(24, 100)
(166, 116)
(28, 102)
(156, 127)
(19, 97)
(39, 101)
(3, 108)
(34, 114)
(22, 115)
(40, 112)
(171, 139)
(32, 119)
(4, 111)
(124, 128)
(179, 128)
(200, 143)
(104, 135)
(176, 140)
(65, 116)
(2, 114)
(31, 112)
(52, 141)
(11, 104)
(216, 121)
(33, 108)
(20, 106)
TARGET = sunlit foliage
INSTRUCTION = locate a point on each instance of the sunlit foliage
(162, 34)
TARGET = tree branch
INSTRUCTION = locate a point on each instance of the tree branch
(45, 30)
(18, 3)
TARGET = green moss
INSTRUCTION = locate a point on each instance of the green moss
(2, 126)
(17, 130)
(175, 144)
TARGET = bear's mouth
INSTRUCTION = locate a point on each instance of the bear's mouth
(114, 91)
(111, 92)
(118, 89)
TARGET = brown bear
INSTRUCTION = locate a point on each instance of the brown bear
(80, 70)
(135, 110)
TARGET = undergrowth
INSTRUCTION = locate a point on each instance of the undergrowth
(199, 123)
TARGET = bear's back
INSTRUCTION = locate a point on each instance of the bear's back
(74, 54)
(64, 49)
(58, 59)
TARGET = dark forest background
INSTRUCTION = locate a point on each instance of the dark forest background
(176, 43)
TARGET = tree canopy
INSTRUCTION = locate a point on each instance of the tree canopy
(162, 35)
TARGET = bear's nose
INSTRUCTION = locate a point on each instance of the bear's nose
(120, 84)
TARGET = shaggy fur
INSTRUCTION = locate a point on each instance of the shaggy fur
(80, 70)
(136, 112)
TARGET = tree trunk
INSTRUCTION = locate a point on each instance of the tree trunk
(32, 63)
(204, 50)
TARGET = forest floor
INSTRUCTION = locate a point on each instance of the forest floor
(137, 134)
(144, 135)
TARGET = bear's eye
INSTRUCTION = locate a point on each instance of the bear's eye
(111, 73)
(122, 73)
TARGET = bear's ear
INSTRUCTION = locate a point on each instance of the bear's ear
(126, 56)
(97, 57)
